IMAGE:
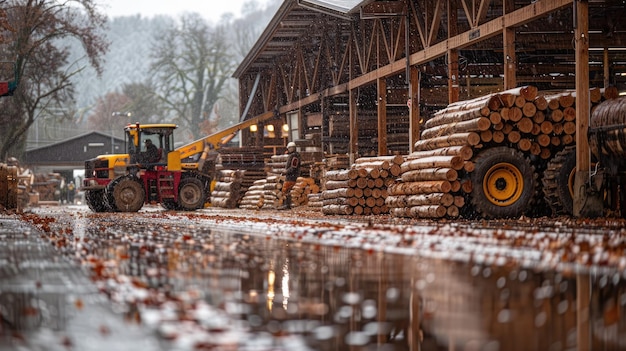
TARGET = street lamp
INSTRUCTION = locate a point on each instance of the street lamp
(118, 114)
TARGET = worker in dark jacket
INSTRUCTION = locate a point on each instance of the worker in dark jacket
(151, 155)
(291, 174)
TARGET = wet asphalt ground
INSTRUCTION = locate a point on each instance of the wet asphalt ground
(266, 280)
(48, 302)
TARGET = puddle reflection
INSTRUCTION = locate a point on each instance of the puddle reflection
(330, 298)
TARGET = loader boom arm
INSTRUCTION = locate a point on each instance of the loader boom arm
(220, 138)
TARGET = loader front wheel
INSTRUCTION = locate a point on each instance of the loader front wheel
(96, 201)
(191, 194)
(127, 195)
(503, 183)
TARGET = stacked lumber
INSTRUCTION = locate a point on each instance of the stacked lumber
(227, 191)
(337, 161)
(251, 160)
(253, 199)
(302, 189)
(362, 189)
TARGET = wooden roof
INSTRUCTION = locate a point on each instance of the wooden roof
(544, 46)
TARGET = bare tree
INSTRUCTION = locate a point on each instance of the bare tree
(192, 62)
(145, 104)
(109, 114)
(40, 62)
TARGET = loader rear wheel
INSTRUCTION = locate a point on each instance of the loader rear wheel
(191, 194)
(96, 201)
(558, 182)
(126, 195)
(503, 183)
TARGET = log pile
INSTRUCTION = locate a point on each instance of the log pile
(253, 198)
(267, 193)
(227, 191)
(301, 191)
(251, 160)
(8, 187)
(435, 177)
(48, 186)
(273, 192)
(315, 200)
(362, 189)
(276, 164)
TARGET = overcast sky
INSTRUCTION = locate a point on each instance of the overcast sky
(211, 9)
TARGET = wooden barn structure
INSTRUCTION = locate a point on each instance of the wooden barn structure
(357, 78)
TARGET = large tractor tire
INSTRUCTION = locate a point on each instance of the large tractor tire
(170, 205)
(503, 183)
(125, 194)
(558, 181)
(191, 194)
(96, 200)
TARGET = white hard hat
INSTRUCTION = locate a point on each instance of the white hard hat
(291, 144)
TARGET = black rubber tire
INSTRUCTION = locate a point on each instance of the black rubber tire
(486, 175)
(170, 205)
(191, 194)
(126, 194)
(557, 179)
(96, 201)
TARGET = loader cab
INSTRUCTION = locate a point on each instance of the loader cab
(160, 135)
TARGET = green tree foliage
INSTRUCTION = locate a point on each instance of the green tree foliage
(192, 62)
(41, 63)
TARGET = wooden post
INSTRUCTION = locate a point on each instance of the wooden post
(354, 127)
(510, 77)
(606, 67)
(510, 60)
(581, 9)
(453, 76)
(382, 116)
(414, 108)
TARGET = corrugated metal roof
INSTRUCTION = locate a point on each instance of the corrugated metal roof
(344, 6)
(293, 20)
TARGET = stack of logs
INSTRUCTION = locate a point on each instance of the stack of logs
(435, 178)
(48, 186)
(362, 189)
(8, 187)
(248, 159)
(301, 191)
(267, 193)
(253, 198)
(227, 190)
(315, 200)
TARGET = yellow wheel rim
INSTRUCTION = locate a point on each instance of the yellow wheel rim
(503, 184)
(570, 181)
